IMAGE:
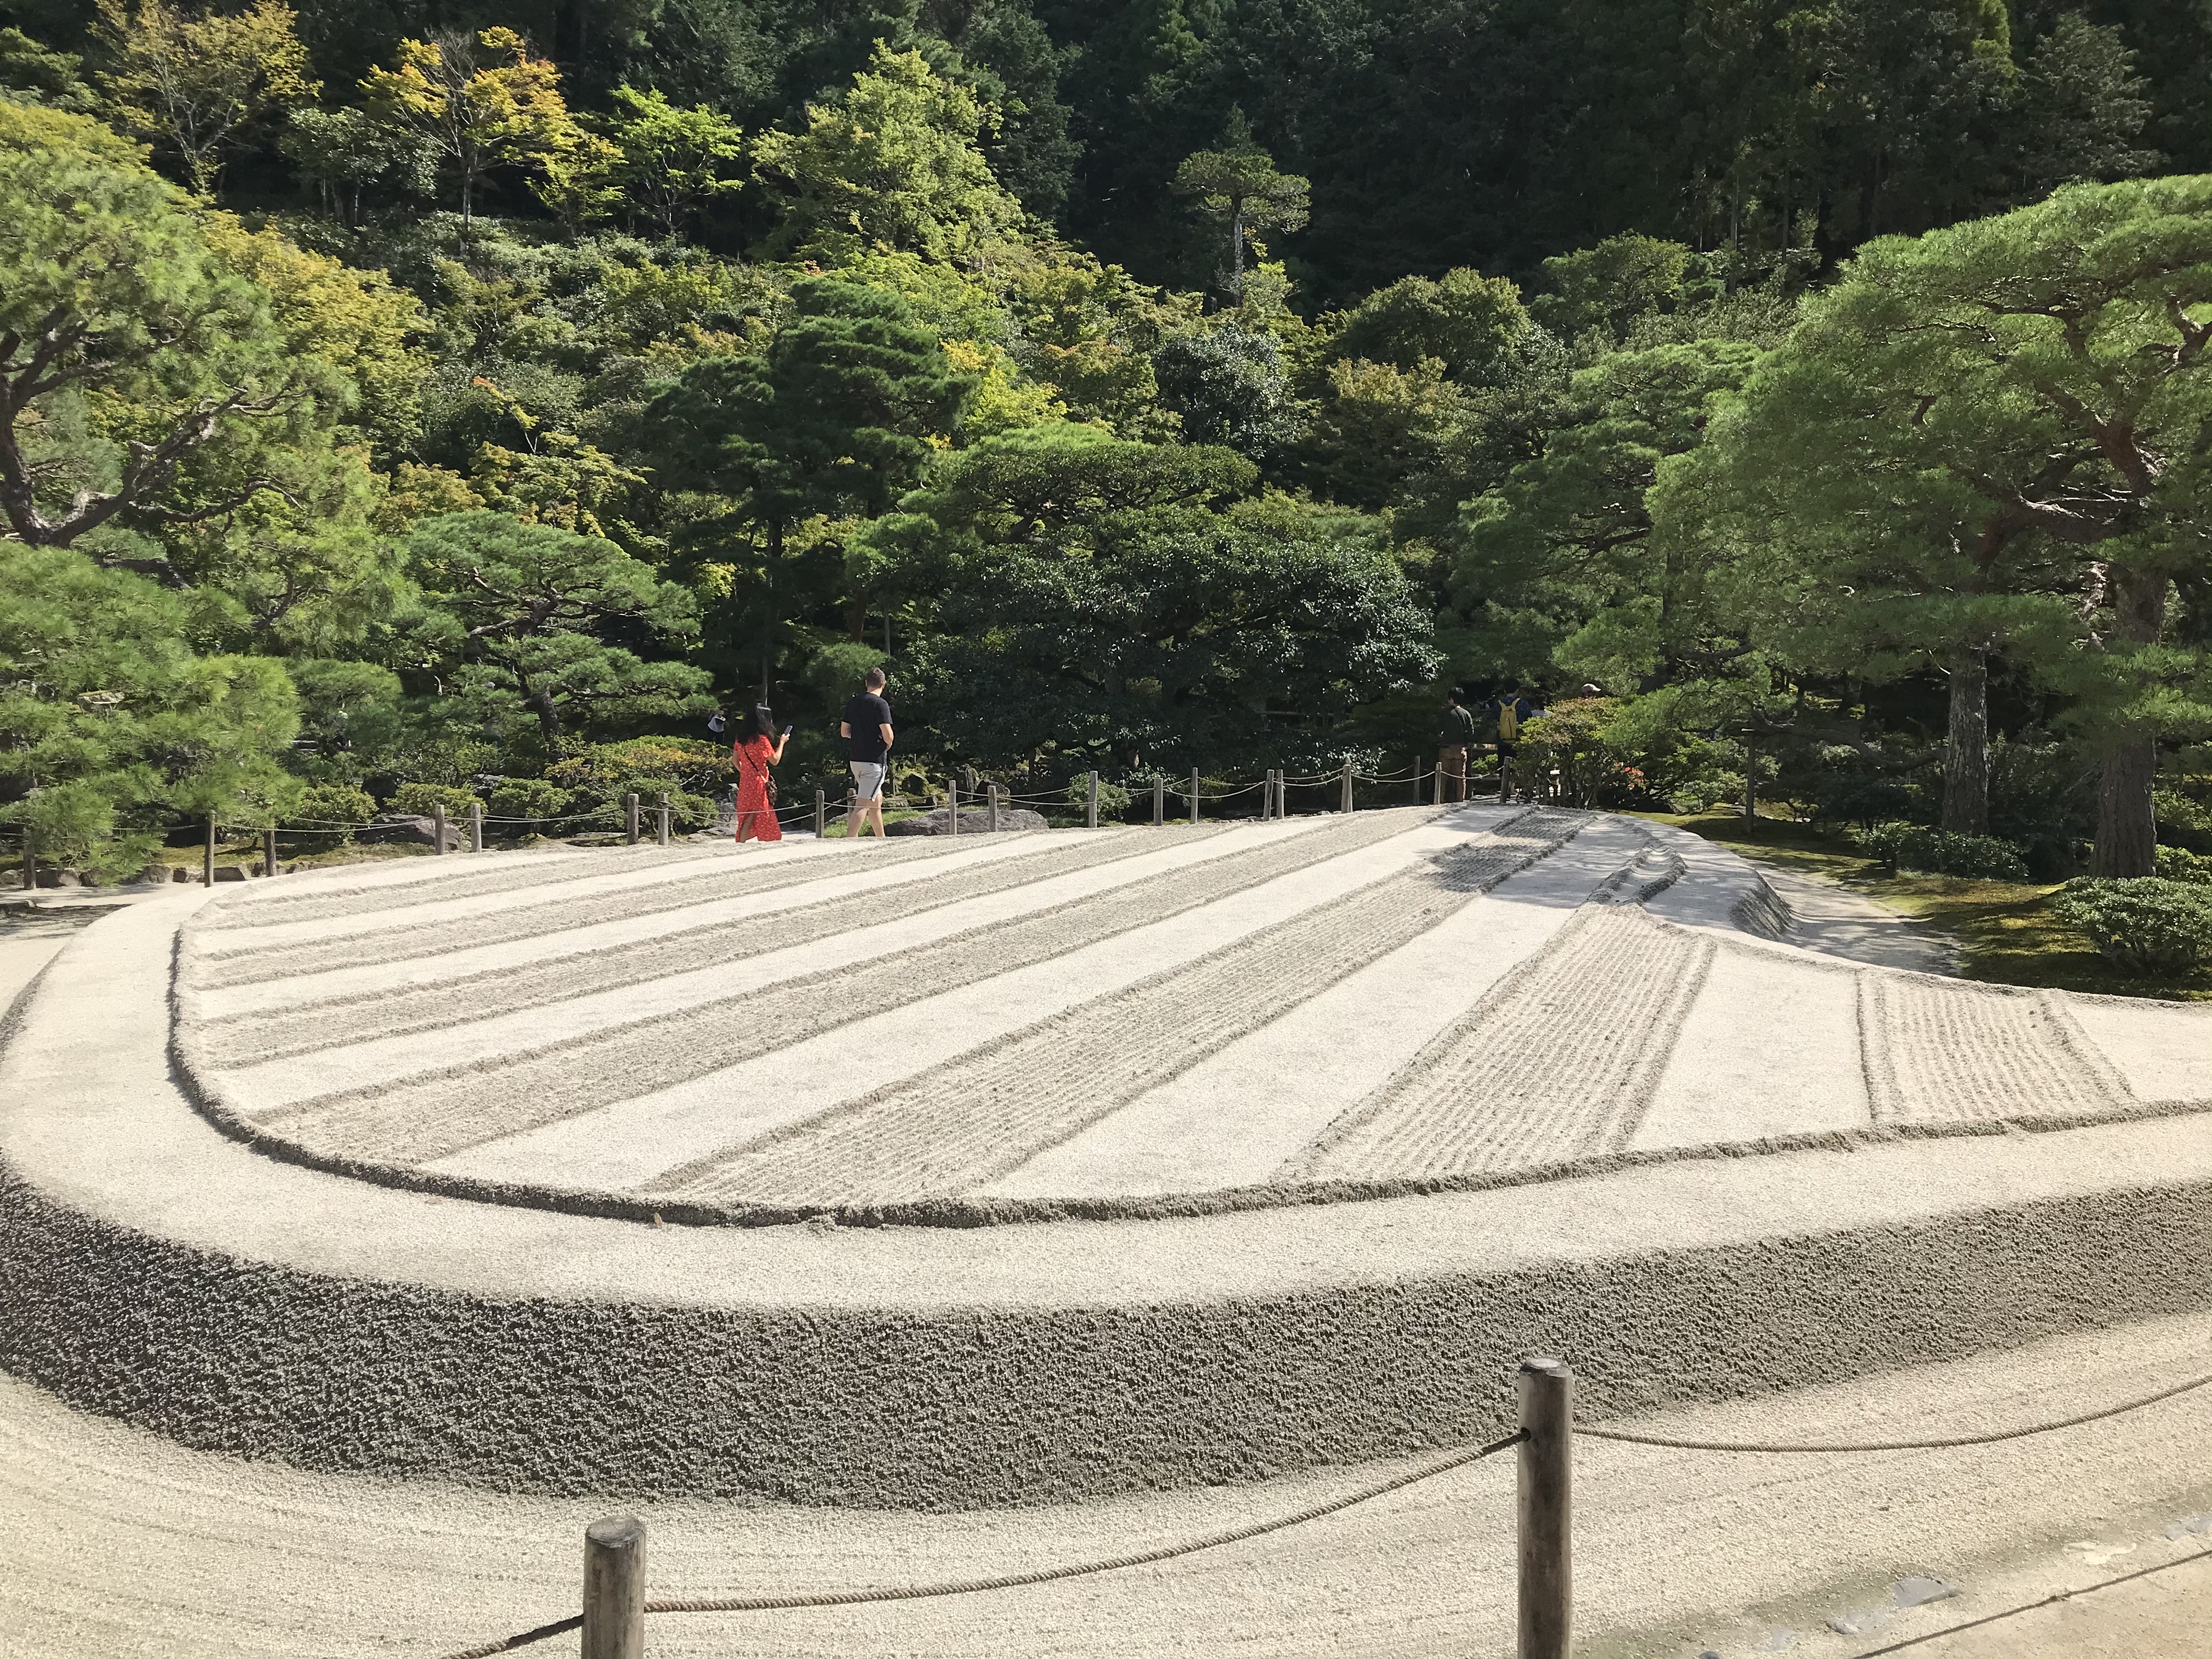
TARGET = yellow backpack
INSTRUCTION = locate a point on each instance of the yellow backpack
(1509, 722)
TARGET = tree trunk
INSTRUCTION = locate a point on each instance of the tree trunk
(1966, 758)
(2127, 832)
(1236, 251)
(541, 704)
(2127, 828)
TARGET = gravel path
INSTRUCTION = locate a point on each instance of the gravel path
(119, 1543)
(247, 1038)
(421, 1120)
(240, 954)
(1949, 1051)
(1558, 1062)
(957, 1128)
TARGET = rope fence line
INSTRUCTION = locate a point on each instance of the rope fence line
(1991, 1439)
(1018, 1580)
(615, 1602)
(466, 831)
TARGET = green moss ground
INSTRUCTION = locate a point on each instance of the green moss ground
(2004, 930)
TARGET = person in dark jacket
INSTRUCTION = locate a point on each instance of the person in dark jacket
(1456, 736)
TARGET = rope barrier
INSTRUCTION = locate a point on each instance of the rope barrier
(1898, 1445)
(1018, 1580)
(610, 817)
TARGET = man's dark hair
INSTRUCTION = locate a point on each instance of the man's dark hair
(1457, 694)
(873, 680)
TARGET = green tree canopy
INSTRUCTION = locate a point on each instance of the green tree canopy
(141, 378)
(530, 615)
(1237, 188)
(1463, 319)
(2015, 405)
(198, 84)
(112, 725)
(892, 162)
(1171, 637)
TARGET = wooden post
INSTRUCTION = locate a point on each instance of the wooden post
(663, 817)
(1091, 804)
(821, 815)
(991, 808)
(1347, 808)
(476, 826)
(438, 828)
(629, 813)
(952, 804)
(1159, 802)
(207, 857)
(852, 807)
(30, 862)
(269, 851)
(1193, 795)
(1546, 1509)
(614, 1589)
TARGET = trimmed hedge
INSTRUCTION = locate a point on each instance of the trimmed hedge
(2144, 925)
(1915, 847)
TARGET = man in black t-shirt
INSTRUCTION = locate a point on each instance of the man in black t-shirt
(866, 725)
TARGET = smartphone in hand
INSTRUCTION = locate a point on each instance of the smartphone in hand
(786, 731)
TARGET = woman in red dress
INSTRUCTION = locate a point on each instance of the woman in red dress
(757, 749)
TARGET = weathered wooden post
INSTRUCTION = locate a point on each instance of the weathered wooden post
(438, 828)
(821, 815)
(476, 826)
(952, 804)
(269, 851)
(1090, 803)
(1159, 802)
(1546, 1509)
(1346, 807)
(629, 815)
(207, 857)
(30, 861)
(991, 809)
(1193, 795)
(663, 817)
(614, 1589)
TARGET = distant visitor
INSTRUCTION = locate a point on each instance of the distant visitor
(1455, 737)
(756, 751)
(867, 729)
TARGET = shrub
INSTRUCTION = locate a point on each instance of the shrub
(2144, 925)
(2179, 863)
(692, 772)
(2183, 819)
(419, 799)
(1113, 800)
(527, 797)
(324, 805)
(1914, 846)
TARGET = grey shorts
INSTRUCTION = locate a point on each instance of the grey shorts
(867, 778)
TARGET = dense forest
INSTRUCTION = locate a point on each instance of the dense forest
(412, 404)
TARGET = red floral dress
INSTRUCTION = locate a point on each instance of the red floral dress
(755, 818)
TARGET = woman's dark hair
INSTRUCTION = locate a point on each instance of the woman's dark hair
(761, 723)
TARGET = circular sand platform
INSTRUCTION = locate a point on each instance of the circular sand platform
(673, 1172)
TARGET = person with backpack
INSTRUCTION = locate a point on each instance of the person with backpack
(1456, 736)
(1509, 710)
(757, 749)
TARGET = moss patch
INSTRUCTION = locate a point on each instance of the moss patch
(2005, 931)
